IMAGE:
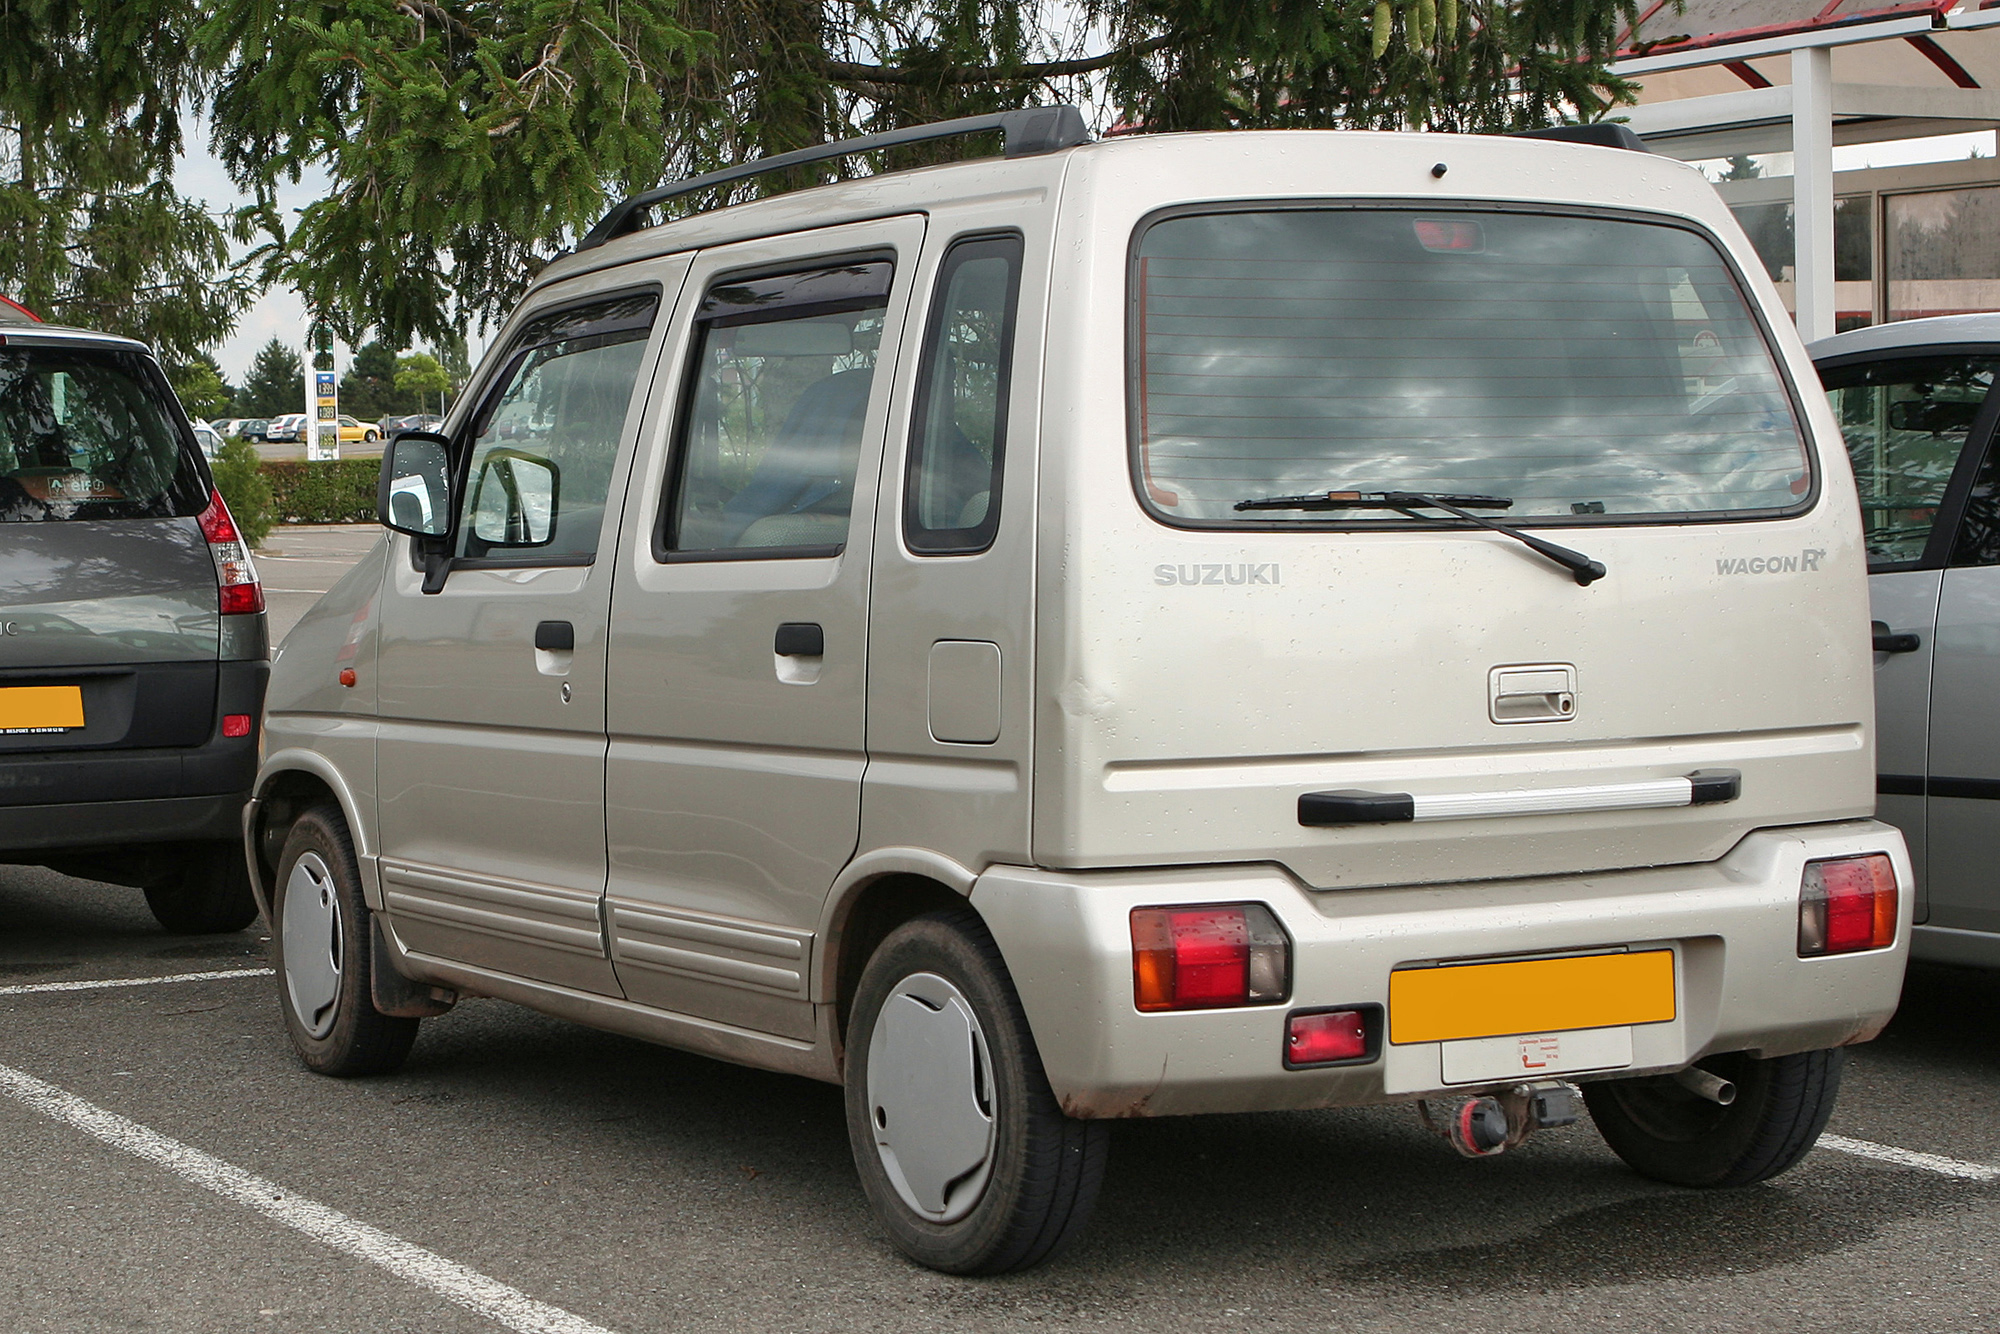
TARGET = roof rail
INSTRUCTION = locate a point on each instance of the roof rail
(1601, 134)
(1030, 131)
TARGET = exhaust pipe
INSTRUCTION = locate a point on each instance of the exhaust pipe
(1704, 1085)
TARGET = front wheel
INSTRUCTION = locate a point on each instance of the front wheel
(207, 892)
(1664, 1131)
(961, 1146)
(320, 934)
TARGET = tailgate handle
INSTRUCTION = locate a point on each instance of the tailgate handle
(1886, 641)
(1345, 806)
(555, 637)
(799, 639)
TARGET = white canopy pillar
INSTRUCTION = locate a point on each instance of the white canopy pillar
(1812, 191)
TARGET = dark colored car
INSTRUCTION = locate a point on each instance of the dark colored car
(133, 649)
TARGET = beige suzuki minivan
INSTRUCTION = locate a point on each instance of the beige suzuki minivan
(1191, 623)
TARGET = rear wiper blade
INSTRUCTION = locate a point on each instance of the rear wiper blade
(1585, 570)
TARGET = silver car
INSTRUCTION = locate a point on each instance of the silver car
(1915, 402)
(132, 641)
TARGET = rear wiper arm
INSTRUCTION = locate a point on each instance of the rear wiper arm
(1585, 570)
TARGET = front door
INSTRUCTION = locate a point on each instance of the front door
(491, 760)
(1915, 427)
(738, 670)
(1965, 724)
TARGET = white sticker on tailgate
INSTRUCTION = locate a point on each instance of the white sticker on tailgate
(1533, 1055)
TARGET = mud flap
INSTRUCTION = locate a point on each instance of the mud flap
(395, 995)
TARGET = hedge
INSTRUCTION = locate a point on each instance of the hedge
(339, 492)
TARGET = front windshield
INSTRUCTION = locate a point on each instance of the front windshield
(1588, 368)
(84, 434)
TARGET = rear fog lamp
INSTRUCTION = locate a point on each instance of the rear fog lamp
(1847, 904)
(1329, 1037)
(236, 724)
(1209, 957)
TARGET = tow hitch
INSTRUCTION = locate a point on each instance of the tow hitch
(1489, 1124)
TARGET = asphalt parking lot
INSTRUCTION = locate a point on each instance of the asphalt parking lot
(173, 1167)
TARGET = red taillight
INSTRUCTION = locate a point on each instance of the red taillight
(1847, 904)
(236, 724)
(1326, 1036)
(1450, 234)
(1203, 958)
(235, 576)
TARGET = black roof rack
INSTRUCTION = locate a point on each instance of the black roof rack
(1602, 134)
(1028, 132)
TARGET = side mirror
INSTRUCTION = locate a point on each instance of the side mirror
(414, 493)
(514, 499)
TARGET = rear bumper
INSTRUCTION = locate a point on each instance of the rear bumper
(90, 826)
(78, 800)
(1732, 925)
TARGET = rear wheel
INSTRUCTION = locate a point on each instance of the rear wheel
(961, 1146)
(1664, 1131)
(320, 933)
(207, 892)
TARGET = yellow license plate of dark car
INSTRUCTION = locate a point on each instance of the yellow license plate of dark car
(1490, 1000)
(40, 708)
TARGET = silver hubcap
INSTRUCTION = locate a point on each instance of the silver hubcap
(311, 918)
(930, 1097)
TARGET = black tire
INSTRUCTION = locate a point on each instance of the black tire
(1044, 1168)
(343, 1034)
(1666, 1132)
(207, 892)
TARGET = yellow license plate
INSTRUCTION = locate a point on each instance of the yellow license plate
(40, 708)
(1490, 1000)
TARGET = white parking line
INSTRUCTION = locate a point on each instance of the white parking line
(427, 1269)
(1929, 1162)
(30, 988)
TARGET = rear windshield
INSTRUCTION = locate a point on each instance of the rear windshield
(84, 435)
(1589, 369)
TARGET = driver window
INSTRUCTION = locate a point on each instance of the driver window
(545, 445)
(772, 429)
(1906, 423)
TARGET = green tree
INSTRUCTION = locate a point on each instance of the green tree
(420, 375)
(238, 475)
(92, 231)
(368, 390)
(276, 383)
(199, 383)
(469, 140)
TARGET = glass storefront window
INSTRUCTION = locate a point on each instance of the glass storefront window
(1943, 252)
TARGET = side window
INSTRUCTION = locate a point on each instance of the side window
(1978, 541)
(1906, 423)
(958, 439)
(771, 428)
(544, 446)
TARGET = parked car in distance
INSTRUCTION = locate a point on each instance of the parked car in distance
(284, 429)
(252, 428)
(209, 439)
(1916, 402)
(353, 432)
(132, 636)
(416, 421)
(1123, 703)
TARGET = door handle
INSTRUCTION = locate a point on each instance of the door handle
(1886, 642)
(799, 639)
(556, 637)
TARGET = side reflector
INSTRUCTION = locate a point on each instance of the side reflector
(1327, 1037)
(236, 724)
(1847, 904)
(1205, 958)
